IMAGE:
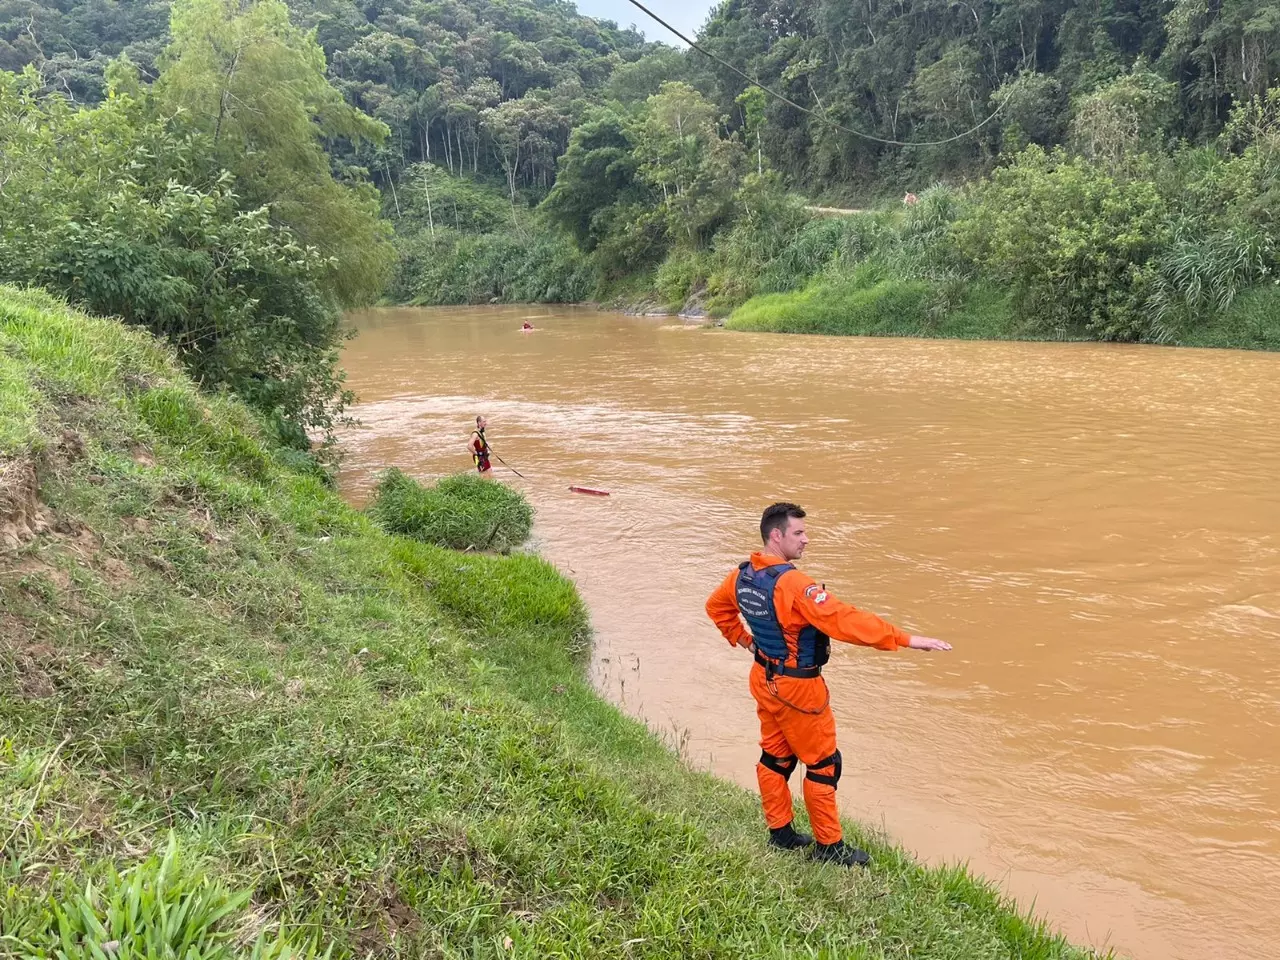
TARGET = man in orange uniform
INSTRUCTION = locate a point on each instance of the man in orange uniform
(792, 621)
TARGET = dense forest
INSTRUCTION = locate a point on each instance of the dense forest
(234, 174)
(494, 87)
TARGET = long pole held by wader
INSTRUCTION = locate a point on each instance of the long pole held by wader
(588, 490)
(505, 464)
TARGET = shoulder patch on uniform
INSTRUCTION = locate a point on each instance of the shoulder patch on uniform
(821, 598)
(810, 590)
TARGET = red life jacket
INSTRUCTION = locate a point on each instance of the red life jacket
(480, 456)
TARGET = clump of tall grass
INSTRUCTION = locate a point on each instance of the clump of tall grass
(462, 512)
(924, 246)
(165, 906)
(679, 276)
(1198, 278)
(812, 248)
(1251, 322)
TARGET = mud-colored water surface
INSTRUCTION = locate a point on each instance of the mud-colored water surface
(1096, 529)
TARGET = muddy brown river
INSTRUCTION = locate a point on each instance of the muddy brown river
(1095, 528)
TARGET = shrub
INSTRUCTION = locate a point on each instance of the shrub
(1124, 116)
(463, 512)
(98, 206)
(492, 267)
(1072, 240)
(679, 275)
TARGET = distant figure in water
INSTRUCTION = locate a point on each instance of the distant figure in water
(479, 447)
(526, 327)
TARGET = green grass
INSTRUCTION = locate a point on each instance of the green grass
(38, 332)
(1252, 322)
(18, 428)
(870, 301)
(238, 716)
(464, 512)
(848, 306)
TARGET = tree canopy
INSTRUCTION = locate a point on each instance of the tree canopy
(620, 161)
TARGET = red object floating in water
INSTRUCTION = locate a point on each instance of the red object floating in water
(588, 490)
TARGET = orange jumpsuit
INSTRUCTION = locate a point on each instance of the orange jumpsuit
(796, 721)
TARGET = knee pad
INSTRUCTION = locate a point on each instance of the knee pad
(830, 779)
(782, 766)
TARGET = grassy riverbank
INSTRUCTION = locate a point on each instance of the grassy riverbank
(880, 273)
(876, 306)
(222, 690)
(1050, 245)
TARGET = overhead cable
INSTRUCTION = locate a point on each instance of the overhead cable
(817, 116)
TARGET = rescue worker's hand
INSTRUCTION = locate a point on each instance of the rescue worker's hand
(928, 643)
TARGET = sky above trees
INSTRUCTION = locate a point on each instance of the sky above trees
(687, 16)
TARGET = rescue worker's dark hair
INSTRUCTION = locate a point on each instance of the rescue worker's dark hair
(479, 417)
(777, 517)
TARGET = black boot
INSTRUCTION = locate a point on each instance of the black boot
(786, 838)
(838, 853)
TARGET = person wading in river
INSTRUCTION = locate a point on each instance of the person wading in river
(792, 621)
(479, 447)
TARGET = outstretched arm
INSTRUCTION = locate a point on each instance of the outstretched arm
(844, 621)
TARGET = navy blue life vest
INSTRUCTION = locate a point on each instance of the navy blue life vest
(755, 591)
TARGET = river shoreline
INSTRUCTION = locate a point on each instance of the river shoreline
(694, 315)
(959, 495)
(223, 685)
(701, 318)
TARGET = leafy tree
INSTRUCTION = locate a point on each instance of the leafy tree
(1128, 114)
(1034, 110)
(753, 101)
(524, 134)
(1072, 239)
(119, 208)
(255, 84)
(1222, 51)
(433, 200)
(634, 82)
(948, 94)
(597, 174)
(682, 155)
